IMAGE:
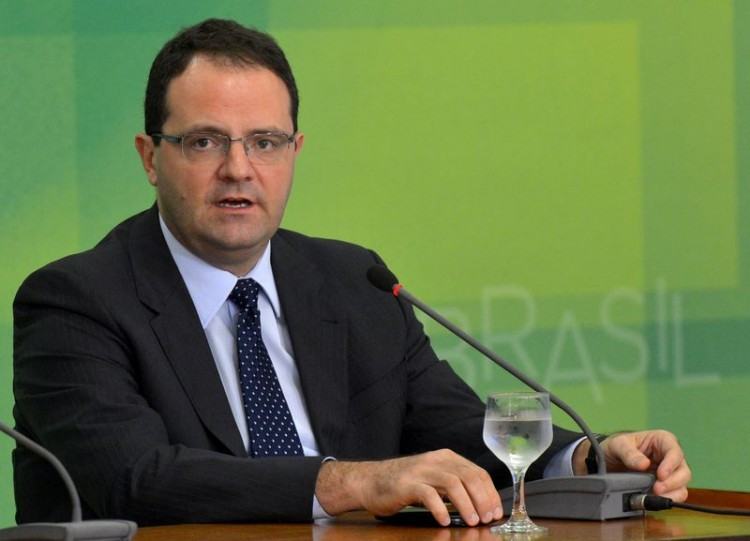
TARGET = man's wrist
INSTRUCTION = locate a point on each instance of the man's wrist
(582, 456)
(318, 511)
(591, 461)
(336, 486)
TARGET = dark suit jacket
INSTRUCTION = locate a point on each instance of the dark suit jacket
(113, 374)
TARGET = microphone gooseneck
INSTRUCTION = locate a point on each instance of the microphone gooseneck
(52, 459)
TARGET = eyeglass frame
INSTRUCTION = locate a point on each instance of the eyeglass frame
(178, 140)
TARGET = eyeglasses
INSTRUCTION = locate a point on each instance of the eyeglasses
(260, 148)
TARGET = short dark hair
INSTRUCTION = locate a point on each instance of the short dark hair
(224, 41)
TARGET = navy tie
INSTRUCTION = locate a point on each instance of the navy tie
(269, 422)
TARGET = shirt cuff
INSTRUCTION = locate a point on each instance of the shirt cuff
(561, 463)
(317, 510)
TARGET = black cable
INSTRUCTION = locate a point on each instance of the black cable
(714, 510)
(643, 502)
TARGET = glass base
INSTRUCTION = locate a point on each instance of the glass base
(521, 525)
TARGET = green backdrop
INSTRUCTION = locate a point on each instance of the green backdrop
(567, 180)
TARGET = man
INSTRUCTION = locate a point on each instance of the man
(143, 365)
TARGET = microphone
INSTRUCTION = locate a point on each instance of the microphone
(76, 529)
(602, 496)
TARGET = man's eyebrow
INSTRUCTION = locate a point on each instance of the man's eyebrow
(270, 129)
(204, 128)
(211, 128)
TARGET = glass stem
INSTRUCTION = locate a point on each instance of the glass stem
(519, 505)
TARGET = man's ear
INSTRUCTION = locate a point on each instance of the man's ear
(299, 140)
(146, 149)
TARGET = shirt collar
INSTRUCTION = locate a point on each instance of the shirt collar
(210, 286)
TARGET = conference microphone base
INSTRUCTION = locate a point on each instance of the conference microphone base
(584, 497)
(87, 530)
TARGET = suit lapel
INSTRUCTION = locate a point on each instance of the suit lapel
(317, 328)
(178, 329)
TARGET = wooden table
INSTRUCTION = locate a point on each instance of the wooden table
(359, 526)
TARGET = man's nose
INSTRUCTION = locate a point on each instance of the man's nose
(236, 165)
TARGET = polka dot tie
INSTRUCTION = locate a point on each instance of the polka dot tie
(269, 422)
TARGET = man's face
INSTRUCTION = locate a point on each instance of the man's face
(226, 210)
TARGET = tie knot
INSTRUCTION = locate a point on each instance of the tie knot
(245, 294)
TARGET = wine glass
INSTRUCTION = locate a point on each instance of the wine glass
(517, 429)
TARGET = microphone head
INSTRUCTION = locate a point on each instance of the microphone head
(382, 278)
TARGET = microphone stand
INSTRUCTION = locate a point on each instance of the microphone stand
(601, 496)
(76, 529)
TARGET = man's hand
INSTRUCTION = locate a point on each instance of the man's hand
(384, 487)
(654, 451)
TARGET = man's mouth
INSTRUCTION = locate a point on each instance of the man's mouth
(234, 203)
